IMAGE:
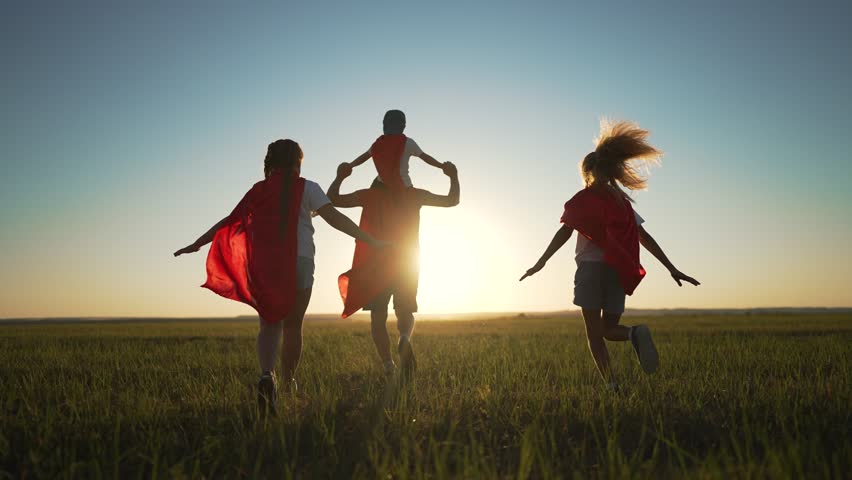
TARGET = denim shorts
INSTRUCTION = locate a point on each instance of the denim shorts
(597, 286)
(304, 273)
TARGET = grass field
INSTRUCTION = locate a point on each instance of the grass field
(742, 396)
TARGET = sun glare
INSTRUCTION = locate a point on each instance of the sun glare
(454, 257)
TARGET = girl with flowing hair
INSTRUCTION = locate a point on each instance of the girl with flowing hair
(262, 254)
(607, 252)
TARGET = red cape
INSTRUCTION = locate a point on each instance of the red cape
(610, 223)
(250, 261)
(393, 217)
(387, 151)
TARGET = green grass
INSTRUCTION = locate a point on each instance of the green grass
(741, 396)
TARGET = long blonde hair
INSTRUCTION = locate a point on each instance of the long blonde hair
(621, 155)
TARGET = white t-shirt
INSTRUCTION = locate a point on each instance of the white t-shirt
(589, 252)
(312, 200)
(411, 150)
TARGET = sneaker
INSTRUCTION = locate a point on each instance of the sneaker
(407, 362)
(390, 369)
(646, 352)
(266, 395)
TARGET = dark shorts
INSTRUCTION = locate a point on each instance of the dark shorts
(304, 273)
(403, 291)
(597, 286)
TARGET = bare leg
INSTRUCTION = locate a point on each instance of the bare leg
(594, 334)
(612, 330)
(379, 330)
(404, 323)
(292, 342)
(267, 344)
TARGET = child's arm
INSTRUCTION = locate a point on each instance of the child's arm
(430, 160)
(344, 200)
(652, 246)
(562, 235)
(342, 223)
(203, 239)
(360, 159)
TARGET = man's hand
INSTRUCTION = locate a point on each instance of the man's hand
(532, 271)
(344, 170)
(187, 249)
(678, 276)
(449, 169)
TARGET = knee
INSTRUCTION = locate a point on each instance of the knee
(293, 327)
(610, 335)
(403, 315)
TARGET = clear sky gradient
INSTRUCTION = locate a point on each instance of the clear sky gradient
(127, 130)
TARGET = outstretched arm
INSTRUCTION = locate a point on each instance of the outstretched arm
(204, 239)
(652, 246)
(338, 199)
(342, 223)
(451, 199)
(430, 160)
(562, 235)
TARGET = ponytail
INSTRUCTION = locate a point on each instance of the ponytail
(621, 152)
(284, 155)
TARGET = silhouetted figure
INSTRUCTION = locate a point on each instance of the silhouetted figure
(378, 275)
(607, 251)
(263, 255)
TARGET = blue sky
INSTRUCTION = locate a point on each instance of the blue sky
(126, 130)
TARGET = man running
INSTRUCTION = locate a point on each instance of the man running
(378, 275)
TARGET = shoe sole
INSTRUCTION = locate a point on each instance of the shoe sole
(649, 359)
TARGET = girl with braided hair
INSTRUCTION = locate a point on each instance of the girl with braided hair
(262, 254)
(607, 252)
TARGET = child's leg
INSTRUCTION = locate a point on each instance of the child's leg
(612, 330)
(595, 336)
(379, 330)
(267, 345)
(292, 342)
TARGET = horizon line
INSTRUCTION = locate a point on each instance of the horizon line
(440, 316)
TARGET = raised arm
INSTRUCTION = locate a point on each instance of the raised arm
(338, 199)
(451, 199)
(562, 235)
(652, 246)
(204, 239)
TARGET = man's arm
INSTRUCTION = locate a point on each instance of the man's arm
(429, 199)
(204, 239)
(652, 246)
(562, 235)
(360, 159)
(430, 160)
(338, 199)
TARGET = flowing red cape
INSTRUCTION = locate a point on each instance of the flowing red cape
(250, 261)
(387, 152)
(389, 216)
(610, 223)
